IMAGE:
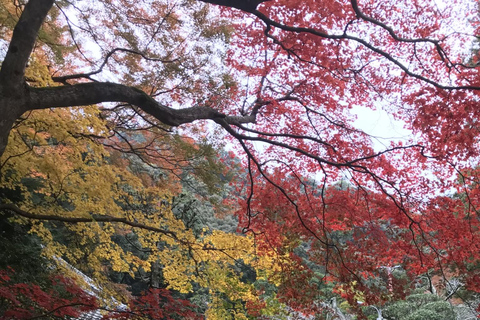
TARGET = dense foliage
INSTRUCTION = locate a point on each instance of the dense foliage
(117, 189)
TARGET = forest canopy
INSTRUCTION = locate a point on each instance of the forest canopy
(184, 159)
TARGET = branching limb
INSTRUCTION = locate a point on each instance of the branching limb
(366, 44)
(64, 79)
(93, 218)
(97, 92)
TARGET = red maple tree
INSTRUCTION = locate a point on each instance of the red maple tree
(412, 204)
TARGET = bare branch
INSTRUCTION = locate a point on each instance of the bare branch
(64, 79)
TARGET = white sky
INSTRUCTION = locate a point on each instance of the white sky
(381, 125)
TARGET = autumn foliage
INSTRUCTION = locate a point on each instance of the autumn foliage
(159, 304)
(115, 118)
(64, 298)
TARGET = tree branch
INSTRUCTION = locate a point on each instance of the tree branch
(97, 92)
(83, 94)
(65, 78)
(93, 218)
(245, 5)
(392, 33)
(51, 312)
(344, 36)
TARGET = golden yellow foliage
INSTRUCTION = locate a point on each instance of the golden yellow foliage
(58, 166)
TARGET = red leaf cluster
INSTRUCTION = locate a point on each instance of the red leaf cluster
(62, 298)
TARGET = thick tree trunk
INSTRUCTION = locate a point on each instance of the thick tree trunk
(10, 110)
(23, 40)
(155, 280)
(13, 91)
(5, 127)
